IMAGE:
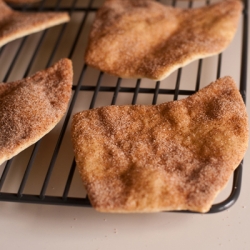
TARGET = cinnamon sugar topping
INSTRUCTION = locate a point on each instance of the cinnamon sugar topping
(14, 24)
(31, 107)
(173, 156)
(144, 38)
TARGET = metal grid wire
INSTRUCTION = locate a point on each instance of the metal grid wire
(45, 173)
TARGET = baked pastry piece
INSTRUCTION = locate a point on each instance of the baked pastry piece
(14, 24)
(31, 107)
(145, 39)
(173, 156)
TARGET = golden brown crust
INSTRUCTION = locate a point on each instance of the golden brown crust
(173, 156)
(144, 38)
(31, 107)
(14, 24)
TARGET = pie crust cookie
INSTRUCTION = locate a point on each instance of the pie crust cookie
(146, 39)
(31, 107)
(15, 24)
(174, 156)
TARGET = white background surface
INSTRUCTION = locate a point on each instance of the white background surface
(29, 226)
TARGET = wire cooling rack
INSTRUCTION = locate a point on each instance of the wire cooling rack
(45, 173)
